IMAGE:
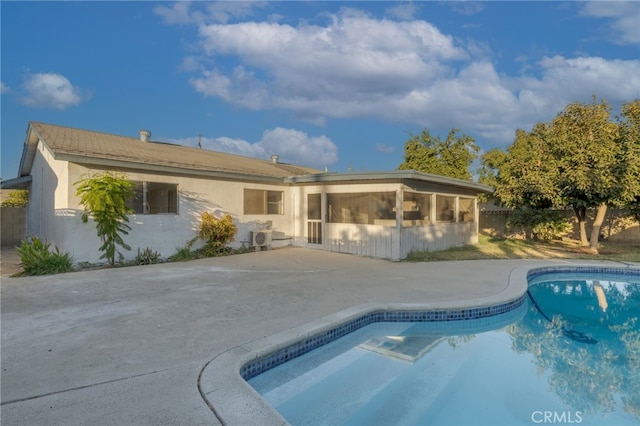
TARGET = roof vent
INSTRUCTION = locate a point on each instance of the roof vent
(144, 135)
(274, 159)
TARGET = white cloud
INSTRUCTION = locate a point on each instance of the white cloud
(402, 71)
(624, 18)
(4, 88)
(292, 146)
(49, 90)
(181, 12)
(405, 11)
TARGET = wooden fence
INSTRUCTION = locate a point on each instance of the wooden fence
(618, 225)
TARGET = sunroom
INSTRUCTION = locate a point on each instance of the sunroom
(385, 214)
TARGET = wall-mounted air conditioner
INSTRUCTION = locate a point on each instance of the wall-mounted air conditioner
(262, 238)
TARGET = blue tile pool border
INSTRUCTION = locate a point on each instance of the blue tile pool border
(267, 362)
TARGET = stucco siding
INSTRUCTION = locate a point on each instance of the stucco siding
(166, 233)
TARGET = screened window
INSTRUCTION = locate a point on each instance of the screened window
(466, 212)
(416, 209)
(445, 208)
(258, 201)
(154, 198)
(377, 208)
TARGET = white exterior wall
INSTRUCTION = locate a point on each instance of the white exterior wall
(46, 212)
(389, 242)
(164, 233)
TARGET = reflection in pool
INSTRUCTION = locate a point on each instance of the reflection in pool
(571, 354)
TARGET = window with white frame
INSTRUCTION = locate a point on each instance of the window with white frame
(154, 198)
(416, 209)
(466, 211)
(445, 208)
(259, 201)
(372, 208)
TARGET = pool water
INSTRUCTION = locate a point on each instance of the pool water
(570, 354)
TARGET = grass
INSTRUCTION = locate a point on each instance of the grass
(489, 247)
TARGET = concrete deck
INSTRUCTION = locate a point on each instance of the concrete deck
(127, 345)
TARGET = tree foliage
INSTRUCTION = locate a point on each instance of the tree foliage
(581, 159)
(16, 198)
(104, 198)
(450, 157)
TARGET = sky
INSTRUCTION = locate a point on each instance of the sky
(341, 85)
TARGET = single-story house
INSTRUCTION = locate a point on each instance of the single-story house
(378, 214)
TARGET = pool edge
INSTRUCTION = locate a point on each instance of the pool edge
(234, 401)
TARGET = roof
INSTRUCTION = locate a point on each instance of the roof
(85, 146)
(403, 175)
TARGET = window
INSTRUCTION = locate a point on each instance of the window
(377, 208)
(154, 198)
(258, 201)
(466, 212)
(416, 209)
(445, 208)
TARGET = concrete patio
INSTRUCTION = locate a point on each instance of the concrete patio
(126, 346)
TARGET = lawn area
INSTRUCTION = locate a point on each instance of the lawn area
(489, 247)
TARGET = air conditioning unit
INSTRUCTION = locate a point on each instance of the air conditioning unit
(262, 238)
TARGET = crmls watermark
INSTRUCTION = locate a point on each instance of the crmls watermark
(566, 417)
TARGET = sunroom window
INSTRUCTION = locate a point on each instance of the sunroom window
(374, 208)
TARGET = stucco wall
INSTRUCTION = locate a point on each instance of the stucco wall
(14, 225)
(166, 233)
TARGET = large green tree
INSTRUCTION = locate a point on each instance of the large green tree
(629, 195)
(585, 144)
(104, 198)
(581, 159)
(451, 157)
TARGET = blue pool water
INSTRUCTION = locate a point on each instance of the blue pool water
(570, 354)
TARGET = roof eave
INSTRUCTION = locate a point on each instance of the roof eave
(17, 183)
(80, 159)
(388, 175)
(29, 151)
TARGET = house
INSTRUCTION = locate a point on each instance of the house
(378, 214)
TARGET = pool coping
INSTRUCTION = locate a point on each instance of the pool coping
(233, 401)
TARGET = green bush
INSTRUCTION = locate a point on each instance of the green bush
(147, 257)
(216, 234)
(36, 258)
(182, 254)
(540, 224)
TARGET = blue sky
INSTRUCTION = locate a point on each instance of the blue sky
(325, 84)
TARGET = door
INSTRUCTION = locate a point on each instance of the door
(314, 218)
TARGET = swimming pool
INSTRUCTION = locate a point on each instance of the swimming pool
(568, 351)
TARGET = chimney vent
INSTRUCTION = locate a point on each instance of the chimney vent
(274, 159)
(144, 135)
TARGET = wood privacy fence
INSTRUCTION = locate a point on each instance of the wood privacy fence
(618, 225)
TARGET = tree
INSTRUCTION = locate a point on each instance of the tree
(584, 143)
(17, 198)
(450, 157)
(104, 198)
(629, 123)
(527, 176)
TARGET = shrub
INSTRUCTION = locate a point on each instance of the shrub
(147, 257)
(104, 198)
(36, 258)
(183, 253)
(542, 224)
(216, 233)
(16, 198)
